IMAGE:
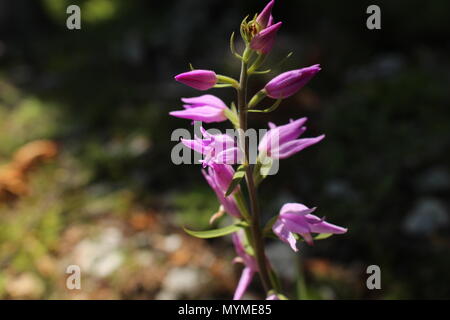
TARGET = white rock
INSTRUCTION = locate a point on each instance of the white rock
(426, 216)
(172, 243)
(102, 255)
(179, 282)
(434, 179)
(283, 259)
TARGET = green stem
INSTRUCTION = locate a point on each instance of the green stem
(257, 237)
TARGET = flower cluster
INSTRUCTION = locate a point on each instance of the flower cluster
(223, 153)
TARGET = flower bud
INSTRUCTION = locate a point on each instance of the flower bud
(198, 79)
(288, 83)
(264, 41)
(264, 18)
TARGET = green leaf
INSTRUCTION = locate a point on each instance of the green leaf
(215, 233)
(238, 176)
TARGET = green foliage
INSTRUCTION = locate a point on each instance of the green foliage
(237, 178)
(195, 207)
(215, 233)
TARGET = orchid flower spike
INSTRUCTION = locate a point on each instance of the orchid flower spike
(281, 142)
(206, 108)
(288, 83)
(198, 79)
(297, 218)
(251, 267)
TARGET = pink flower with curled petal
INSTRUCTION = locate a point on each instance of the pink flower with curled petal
(219, 177)
(198, 79)
(206, 108)
(288, 83)
(281, 142)
(251, 267)
(297, 218)
(220, 148)
(263, 42)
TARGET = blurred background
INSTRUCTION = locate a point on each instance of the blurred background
(87, 179)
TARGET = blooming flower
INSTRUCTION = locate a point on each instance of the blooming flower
(288, 83)
(220, 148)
(273, 297)
(198, 79)
(219, 177)
(206, 108)
(281, 142)
(263, 42)
(297, 218)
(249, 262)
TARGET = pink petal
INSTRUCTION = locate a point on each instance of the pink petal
(296, 223)
(292, 147)
(264, 17)
(284, 234)
(297, 208)
(206, 114)
(205, 100)
(308, 238)
(244, 282)
(195, 145)
(325, 227)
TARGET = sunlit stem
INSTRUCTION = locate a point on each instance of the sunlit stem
(255, 230)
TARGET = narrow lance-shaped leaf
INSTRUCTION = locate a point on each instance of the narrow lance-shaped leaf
(215, 233)
(238, 176)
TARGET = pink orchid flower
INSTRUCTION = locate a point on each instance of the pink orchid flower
(281, 142)
(206, 108)
(297, 218)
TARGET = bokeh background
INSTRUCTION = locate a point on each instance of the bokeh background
(87, 178)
